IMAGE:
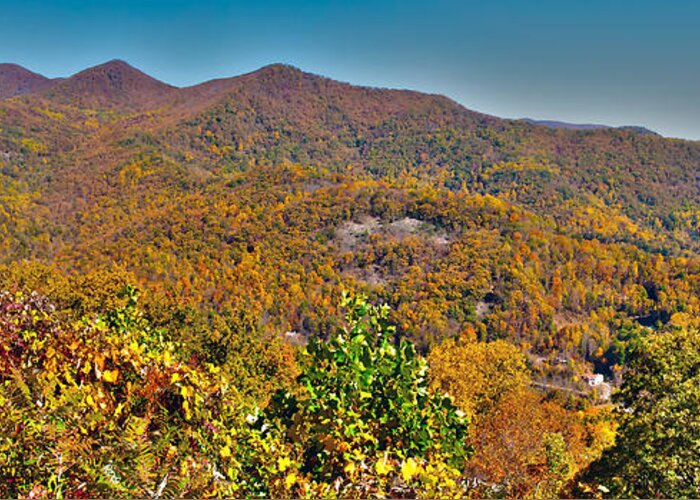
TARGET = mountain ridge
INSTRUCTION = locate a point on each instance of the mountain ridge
(116, 83)
(16, 80)
(555, 124)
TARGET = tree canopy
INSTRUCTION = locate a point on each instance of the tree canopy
(657, 451)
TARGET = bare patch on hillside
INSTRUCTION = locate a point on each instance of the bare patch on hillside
(350, 234)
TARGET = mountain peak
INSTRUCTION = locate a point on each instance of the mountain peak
(114, 65)
(16, 80)
(116, 62)
(279, 71)
(587, 126)
(279, 68)
(112, 84)
(565, 125)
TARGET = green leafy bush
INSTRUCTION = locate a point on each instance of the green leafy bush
(363, 419)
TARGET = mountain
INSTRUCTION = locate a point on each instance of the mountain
(262, 196)
(111, 85)
(638, 129)
(586, 126)
(16, 80)
(565, 125)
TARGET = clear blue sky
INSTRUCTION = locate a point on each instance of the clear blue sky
(616, 62)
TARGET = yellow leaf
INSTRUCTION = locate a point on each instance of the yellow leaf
(409, 469)
(290, 480)
(349, 468)
(119, 409)
(225, 452)
(175, 378)
(382, 468)
(110, 375)
(100, 361)
(186, 392)
(283, 463)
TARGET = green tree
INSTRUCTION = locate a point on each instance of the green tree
(365, 418)
(657, 453)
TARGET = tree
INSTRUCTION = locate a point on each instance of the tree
(363, 416)
(523, 447)
(657, 452)
(477, 374)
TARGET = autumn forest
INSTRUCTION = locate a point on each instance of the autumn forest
(280, 285)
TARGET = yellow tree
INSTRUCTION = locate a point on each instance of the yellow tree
(477, 374)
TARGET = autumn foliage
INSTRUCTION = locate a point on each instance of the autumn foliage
(515, 259)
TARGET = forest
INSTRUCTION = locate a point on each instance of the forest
(279, 285)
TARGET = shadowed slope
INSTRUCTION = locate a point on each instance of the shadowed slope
(16, 80)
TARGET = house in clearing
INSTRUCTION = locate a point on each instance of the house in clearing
(593, 380)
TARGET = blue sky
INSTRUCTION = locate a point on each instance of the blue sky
(624, 62)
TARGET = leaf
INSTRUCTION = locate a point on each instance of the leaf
(349, 468)
(290, 480)
(382, 467)
(99, 362)
(119, 409)
(409, 469)
(110, 376)
(283, 463)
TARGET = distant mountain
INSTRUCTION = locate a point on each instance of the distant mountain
(116, 84)
(16, 80)
(586, 126)
(283, 113)
(309, 103)
(565, 125)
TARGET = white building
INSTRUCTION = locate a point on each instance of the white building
(594, 380)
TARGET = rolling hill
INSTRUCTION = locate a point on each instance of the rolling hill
(267, 193)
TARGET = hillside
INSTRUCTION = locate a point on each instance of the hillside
(16, 80)
(243, 209)
(279, 177)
